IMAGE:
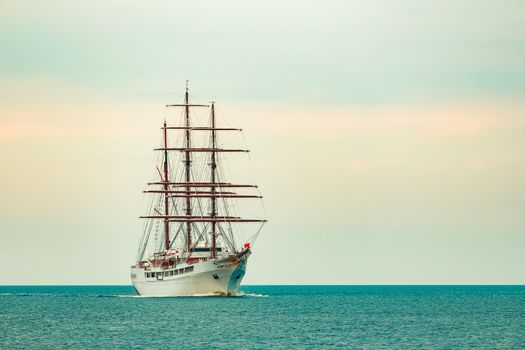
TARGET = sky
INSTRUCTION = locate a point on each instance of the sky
(386, 137)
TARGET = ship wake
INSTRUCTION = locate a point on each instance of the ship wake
(202, 295)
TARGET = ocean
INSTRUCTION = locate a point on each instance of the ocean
(265, 317)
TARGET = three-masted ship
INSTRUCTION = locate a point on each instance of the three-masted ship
(191, 243)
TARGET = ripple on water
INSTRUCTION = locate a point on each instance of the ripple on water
(267, 317)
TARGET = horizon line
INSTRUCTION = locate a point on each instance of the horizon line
(282, 285)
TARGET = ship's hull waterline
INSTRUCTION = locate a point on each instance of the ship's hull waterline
(206, 278)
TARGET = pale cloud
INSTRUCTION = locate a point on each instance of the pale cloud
(339, 52)
(468, 119)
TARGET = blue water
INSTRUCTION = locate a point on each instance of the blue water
(267, 317)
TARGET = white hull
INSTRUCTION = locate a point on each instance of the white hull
(206, 277)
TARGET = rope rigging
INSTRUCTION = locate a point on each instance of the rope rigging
(188, 172)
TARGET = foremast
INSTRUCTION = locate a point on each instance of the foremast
(213, 182)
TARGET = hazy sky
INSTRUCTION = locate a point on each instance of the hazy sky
(387, 137)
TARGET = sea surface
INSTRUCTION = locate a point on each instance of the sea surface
(265, 317)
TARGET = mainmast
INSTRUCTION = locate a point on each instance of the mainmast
(187, 164)
(166, 196)
(213, 182)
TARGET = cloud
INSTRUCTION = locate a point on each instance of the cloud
(347, 53)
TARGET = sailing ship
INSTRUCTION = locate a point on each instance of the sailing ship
(191, 241)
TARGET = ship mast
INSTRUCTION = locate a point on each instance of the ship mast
(213, 182)
(187, 163)
(166, 197)
(190, 188)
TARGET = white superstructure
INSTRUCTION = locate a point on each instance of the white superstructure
(209, 277)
